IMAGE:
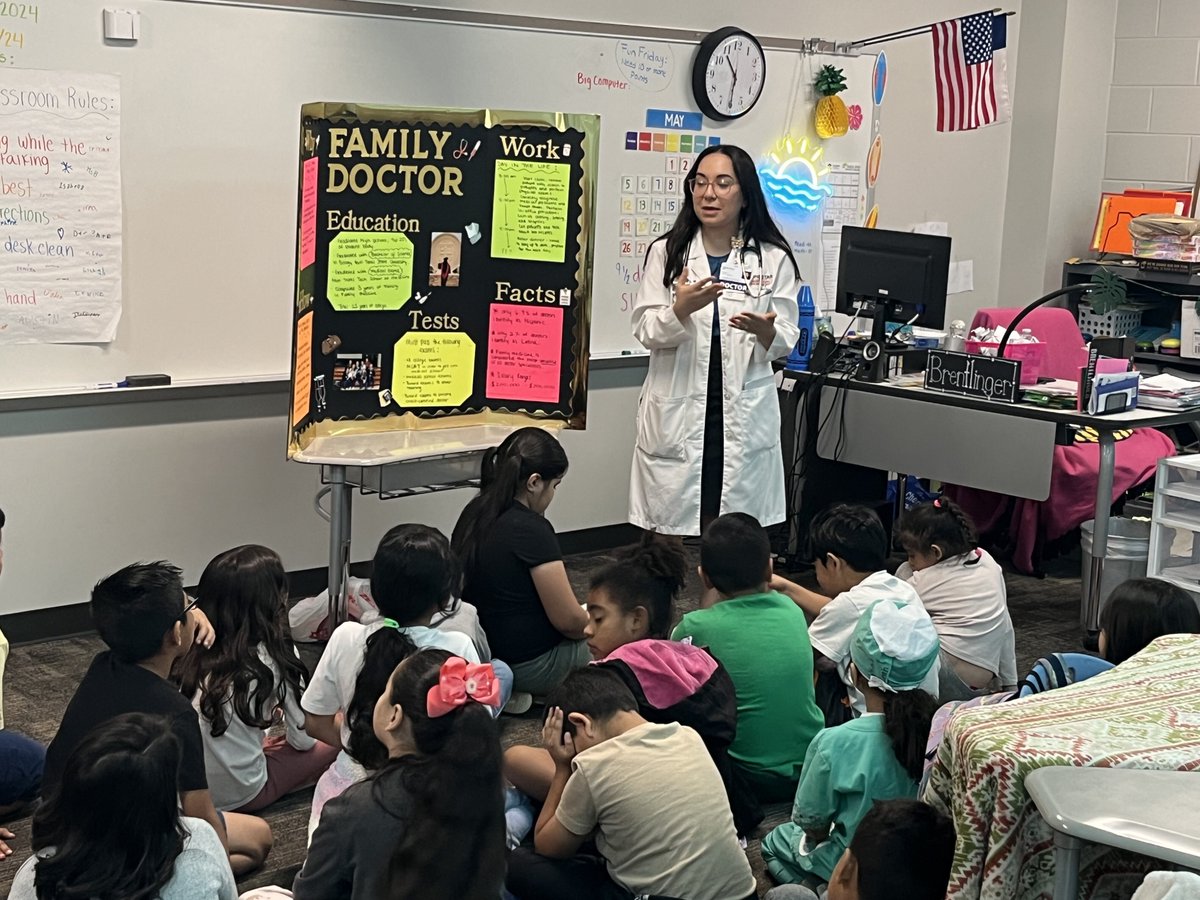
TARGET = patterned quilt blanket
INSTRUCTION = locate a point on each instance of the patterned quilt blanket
(1144, 714)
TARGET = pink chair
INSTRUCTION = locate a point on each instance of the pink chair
(1031, 523)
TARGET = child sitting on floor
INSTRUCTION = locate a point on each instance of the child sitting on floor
(1137, 612)
(434, 804)
(630, 609)
(414, 576)
(648, 793)
(962, 588)
(148, 623)
(878, 756)
(514, 571)
(849, 548)
(21, 759)
(250, 679)
(763, 640)
(901, 849)
(112, 827)
(1141, 610)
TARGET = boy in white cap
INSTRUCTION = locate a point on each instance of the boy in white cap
(877, 756)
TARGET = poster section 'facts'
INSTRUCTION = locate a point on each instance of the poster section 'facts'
(439, 267)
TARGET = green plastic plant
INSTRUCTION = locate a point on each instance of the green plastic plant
(1109, 293)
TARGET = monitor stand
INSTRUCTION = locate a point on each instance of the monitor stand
(875, 362)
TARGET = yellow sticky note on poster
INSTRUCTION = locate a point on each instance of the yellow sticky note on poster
(302, 387)
(433, 368)
(369, 271)
(529, 210)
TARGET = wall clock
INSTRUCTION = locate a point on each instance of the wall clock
(728, 74)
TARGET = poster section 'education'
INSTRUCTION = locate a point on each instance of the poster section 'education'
(60, 207)
(441, 266)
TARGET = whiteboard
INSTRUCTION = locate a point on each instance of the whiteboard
(211, 101)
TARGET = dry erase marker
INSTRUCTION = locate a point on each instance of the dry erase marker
(105, 385)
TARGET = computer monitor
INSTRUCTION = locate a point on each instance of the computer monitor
(892, 276)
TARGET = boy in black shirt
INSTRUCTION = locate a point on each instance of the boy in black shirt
(143, 615)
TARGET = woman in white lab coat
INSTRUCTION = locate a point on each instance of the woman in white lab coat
(713, 317)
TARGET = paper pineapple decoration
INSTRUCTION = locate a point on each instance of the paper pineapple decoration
(832, 118)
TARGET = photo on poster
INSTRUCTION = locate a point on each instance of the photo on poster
(445, 258)
(358, 371)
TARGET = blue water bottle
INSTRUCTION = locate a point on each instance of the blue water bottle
(798, 358)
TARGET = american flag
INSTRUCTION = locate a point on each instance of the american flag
(970, 72)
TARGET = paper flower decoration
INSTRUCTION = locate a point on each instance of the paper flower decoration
(856, 117)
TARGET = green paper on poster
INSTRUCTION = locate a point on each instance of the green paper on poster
(529, 210)
(369, 271)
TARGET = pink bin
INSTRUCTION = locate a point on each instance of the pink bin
(1030, 356)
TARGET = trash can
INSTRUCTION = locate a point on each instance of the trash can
(1127, 557)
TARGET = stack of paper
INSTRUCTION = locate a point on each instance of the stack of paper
(1057, 394)
(1169, 392)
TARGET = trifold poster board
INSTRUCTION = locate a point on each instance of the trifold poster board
(443, 269)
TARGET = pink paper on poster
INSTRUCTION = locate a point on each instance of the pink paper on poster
(524, 353)
(308, 214)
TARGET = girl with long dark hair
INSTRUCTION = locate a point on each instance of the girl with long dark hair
(878, 756)
(514, 571)
(717, 304)
(437, 801)
(250, 679)
(414, 576)
(110, 827)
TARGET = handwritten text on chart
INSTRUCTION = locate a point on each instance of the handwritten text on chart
(647, 65)
(60, 204)
(17, 20)
(369, 271)
(524, 353)
(630, 275)
(529, 210)
(590, 80)
(433, 369)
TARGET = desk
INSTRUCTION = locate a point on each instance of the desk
(1007, 448)
(1124, 808)
(1144, 714)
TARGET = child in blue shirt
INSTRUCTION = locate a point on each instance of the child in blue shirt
(878, 756)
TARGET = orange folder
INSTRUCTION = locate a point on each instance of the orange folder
(1116, 212)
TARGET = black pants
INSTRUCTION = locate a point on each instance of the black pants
(582, 877)
(712, 464)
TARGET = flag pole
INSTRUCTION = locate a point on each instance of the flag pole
(913, 32)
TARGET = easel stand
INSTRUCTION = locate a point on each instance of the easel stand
(389, 465)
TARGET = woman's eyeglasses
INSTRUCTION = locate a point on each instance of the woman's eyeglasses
(721, 185)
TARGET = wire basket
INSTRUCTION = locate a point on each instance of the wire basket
(1115, 323)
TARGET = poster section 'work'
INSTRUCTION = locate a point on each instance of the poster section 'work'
(442, 265)
(60, 207)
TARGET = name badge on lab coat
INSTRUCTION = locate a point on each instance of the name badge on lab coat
(732, 278)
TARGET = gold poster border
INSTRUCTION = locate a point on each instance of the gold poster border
(301, 437)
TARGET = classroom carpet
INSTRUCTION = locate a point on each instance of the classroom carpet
(41, 678)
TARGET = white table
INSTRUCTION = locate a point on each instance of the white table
(1153, 813)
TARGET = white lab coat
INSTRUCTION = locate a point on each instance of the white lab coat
(664, 488)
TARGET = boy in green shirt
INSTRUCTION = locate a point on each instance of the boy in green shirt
(761, 638)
